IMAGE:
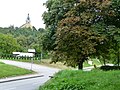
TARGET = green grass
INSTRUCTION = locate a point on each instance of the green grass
(11, 71)
(80, 80)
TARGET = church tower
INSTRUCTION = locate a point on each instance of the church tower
(28, 23)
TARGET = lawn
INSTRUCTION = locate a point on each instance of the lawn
(81, 80)
(11, 71)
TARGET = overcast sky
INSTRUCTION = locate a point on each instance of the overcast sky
(14, 12)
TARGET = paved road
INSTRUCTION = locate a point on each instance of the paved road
(28, 84)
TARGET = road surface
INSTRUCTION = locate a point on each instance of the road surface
(26, 84)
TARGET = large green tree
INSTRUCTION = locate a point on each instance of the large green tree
(88, 28)
(75, 42)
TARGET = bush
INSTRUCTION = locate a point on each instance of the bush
(106, 68)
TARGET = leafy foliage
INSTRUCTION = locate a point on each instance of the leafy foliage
(8, 44)
(75, 42)
(109, 27)
(55, 13)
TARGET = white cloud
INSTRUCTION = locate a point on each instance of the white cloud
(14, 12)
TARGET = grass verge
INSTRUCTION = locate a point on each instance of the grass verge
(11, 71)
(80, 80)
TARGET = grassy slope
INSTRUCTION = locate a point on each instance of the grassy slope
(10, 71)
(79, 80)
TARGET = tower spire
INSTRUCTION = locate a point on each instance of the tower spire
(28, 19)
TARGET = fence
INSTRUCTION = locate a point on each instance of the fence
(13, 57)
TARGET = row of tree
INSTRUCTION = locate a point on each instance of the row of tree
(78, 29)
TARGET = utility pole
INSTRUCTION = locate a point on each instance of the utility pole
(31, 64)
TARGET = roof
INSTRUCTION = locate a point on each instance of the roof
(27, 25)
(16, 52)
(31, 50)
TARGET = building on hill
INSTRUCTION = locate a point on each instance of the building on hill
(27, 24)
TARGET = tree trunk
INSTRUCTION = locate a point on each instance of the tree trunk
(80, 65)
(118, 57)
(104, 61)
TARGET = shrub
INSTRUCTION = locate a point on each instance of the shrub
(106, 68)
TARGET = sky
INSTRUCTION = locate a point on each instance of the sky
(14, 12)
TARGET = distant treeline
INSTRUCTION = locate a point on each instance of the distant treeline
(13, 39)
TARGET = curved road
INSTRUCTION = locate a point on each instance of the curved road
(28, 84)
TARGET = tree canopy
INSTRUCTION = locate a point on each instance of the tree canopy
(8, 44)
(85, 29)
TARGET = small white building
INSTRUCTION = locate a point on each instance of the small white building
(31, 53)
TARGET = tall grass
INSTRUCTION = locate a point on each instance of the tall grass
(80, 80)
